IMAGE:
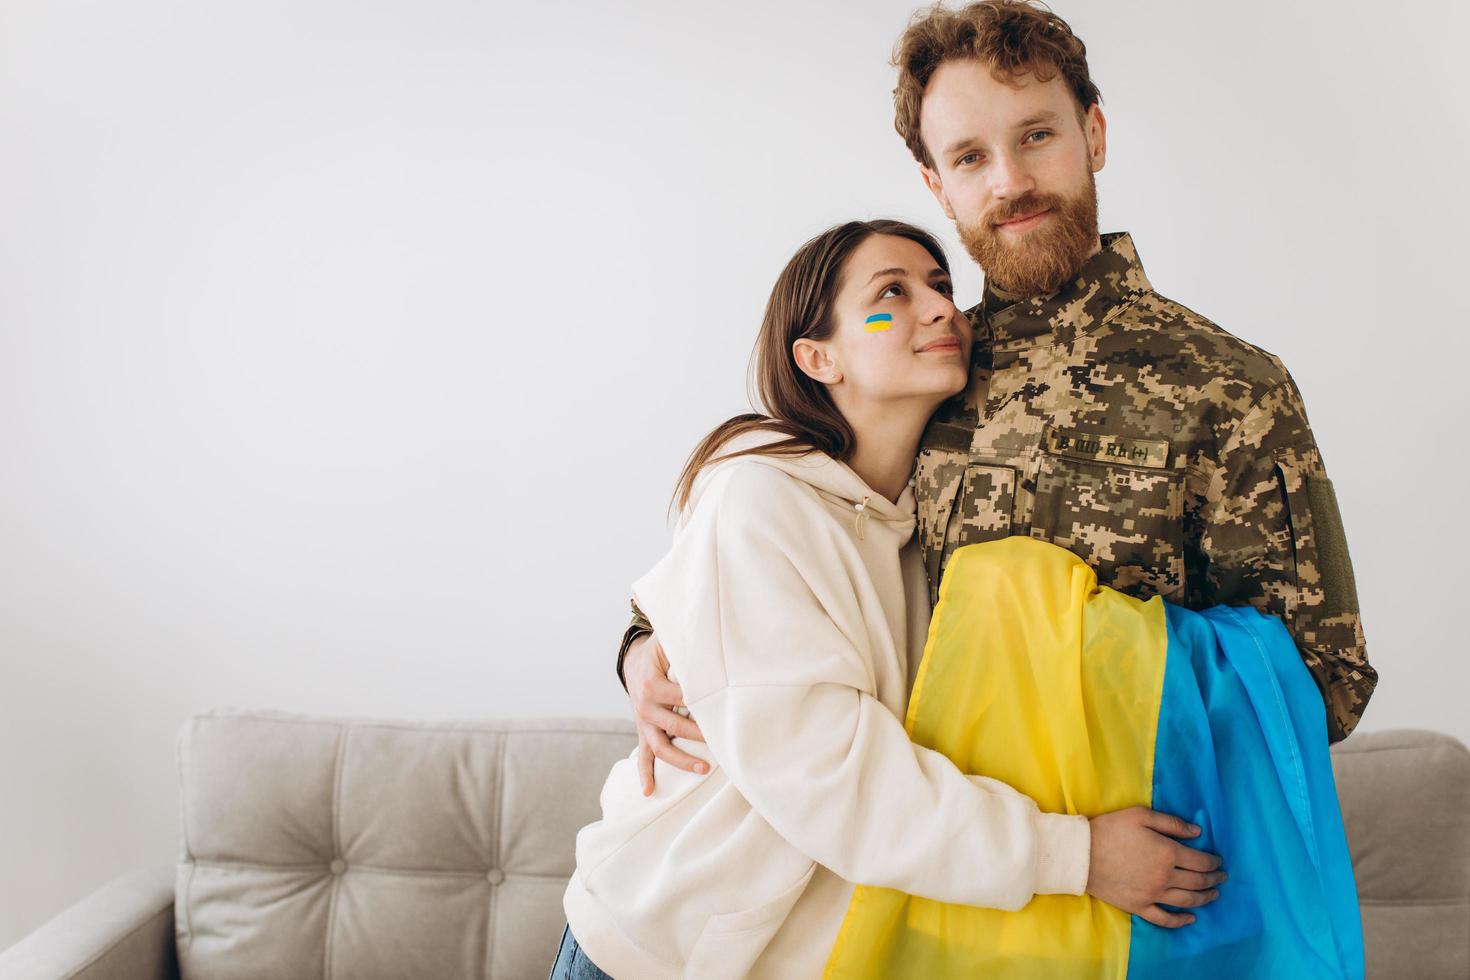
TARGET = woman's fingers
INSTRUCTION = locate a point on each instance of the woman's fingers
(1191, 860)
(1166, 823)
(1180, 898)
(1195, 881)
(1168, 920)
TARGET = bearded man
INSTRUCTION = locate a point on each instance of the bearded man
(1171, 456)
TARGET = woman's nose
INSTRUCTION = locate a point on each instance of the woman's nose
(940, 307)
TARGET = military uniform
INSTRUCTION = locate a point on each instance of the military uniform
(1172, 457)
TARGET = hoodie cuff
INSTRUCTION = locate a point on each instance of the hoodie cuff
(1063, 854)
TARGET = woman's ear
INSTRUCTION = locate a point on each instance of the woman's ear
(816, 361)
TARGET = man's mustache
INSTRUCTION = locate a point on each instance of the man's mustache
(1023, 206)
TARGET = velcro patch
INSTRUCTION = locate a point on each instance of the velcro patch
(1150, 453)
(1338, 583)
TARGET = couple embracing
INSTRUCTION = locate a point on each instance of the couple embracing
(774, 649)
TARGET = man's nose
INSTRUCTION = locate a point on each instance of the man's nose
(1009, 178)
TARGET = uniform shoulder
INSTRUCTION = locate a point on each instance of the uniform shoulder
(1204, 347)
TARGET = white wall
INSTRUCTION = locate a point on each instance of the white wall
(348, 351)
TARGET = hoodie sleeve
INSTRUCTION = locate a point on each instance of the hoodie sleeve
(757, 613)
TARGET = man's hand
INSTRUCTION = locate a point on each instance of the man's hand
(646, 670)
(1136, 868)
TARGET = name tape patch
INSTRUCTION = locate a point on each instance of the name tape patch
(1150, 453)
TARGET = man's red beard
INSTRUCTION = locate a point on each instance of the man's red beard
(1042, 259)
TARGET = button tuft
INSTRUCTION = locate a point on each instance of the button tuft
(338, 866)
(495, 876)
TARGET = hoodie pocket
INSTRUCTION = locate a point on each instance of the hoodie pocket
(730, 943)
(627, 813)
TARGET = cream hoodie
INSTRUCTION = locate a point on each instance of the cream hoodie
(793, 610)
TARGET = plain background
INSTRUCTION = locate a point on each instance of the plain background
(349, 351)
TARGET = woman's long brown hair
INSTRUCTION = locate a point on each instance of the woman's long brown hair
(797, 406)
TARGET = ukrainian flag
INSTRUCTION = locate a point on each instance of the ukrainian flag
(1090, 701)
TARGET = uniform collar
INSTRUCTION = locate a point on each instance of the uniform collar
(1110, 279)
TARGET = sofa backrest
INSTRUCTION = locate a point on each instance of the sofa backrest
(363, 849)
(336, 848)
(1405, 799)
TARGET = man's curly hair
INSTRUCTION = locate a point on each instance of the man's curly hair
(1012, 37)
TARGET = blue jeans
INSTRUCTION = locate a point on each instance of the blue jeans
(573, 964)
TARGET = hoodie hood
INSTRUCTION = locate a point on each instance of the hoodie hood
(833, 480)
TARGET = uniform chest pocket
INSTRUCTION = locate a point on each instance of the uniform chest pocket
(937, 479)
(960, 502)
(1127, 522)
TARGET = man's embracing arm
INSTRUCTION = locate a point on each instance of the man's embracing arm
(644, 672)
(638, 627)
(1270, 535)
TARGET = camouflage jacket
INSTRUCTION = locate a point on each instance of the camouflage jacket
(1172, 457)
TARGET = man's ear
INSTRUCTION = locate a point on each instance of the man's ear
(816, 361)
(1095, 126)
(936, 187)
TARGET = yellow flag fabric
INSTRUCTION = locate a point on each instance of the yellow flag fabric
(1005, 690)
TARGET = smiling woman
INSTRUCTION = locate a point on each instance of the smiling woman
(765, 842)
(880, 277)
(792, 608)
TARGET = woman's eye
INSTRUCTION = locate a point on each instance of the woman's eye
(889, 289)
(945, 288)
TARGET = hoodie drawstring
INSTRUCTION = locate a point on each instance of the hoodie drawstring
(862, 516)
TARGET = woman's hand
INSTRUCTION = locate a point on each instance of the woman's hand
(1136, 867)
(646, 670)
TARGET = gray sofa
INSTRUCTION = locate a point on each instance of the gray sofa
(356, 849)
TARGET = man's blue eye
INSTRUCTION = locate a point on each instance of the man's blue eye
(968, 156)
(1040, 132)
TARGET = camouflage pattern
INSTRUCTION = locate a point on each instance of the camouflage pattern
(636, 628)
(1172, 457)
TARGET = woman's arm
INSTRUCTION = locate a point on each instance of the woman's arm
(833, 772)
(758, 616)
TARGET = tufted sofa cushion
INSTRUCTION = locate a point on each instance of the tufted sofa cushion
(1406, 802)
(321, 848)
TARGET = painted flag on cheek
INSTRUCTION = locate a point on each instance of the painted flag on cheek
(1089, 701)
(878, 321)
